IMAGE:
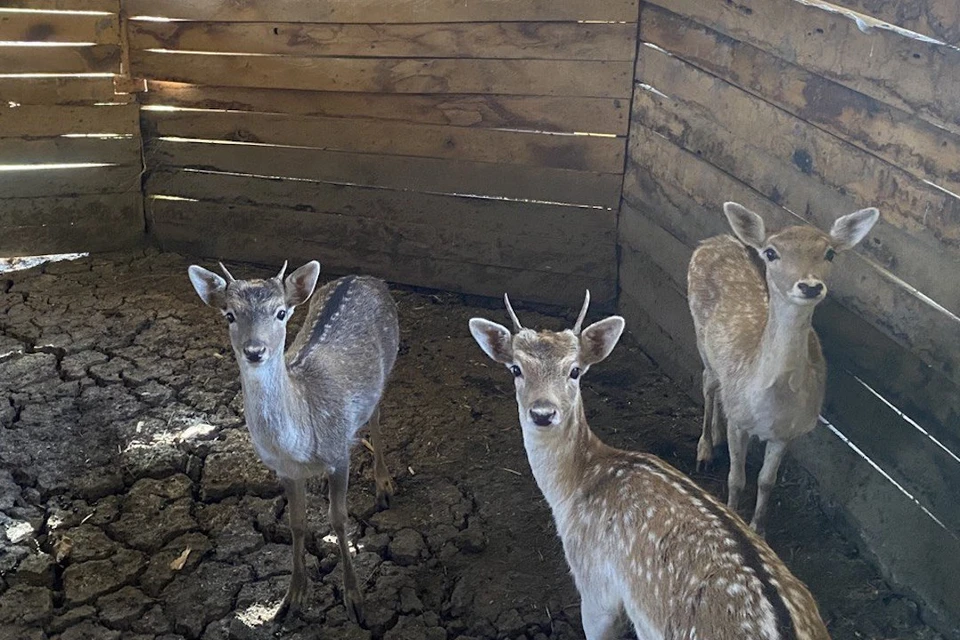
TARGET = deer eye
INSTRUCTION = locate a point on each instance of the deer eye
(515, 370)
(831, 254)
(575, 373)
(230, 317)
(281, 314)
(771, 254)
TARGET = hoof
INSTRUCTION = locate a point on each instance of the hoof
(385, 493)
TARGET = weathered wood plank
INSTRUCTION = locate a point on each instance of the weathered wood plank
(927, 151)
(65, 150)
(805, 170)
(500, 40)
(36, 226)
(939, 19)
(59, 27)
(359, 234)
(907, 318)
(69, 182)
(108, 6)
(417, 174)
(51, 91)
(397, 11)
(541, 113)
(590, 78)
(101, 58)
(581, 153)
(914, 75)
(49, 121)
(554, 223)
(534, 286)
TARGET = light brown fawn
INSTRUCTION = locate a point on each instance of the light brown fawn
(304, 407)
(752, 298)
(639, 536)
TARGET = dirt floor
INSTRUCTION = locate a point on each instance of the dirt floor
(132, 505)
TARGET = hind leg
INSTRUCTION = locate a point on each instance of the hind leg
(381, 475)
(711, 419)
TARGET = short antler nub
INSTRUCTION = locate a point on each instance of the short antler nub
(283, 270)
(230, 278)
(583, 314)
(513, 316)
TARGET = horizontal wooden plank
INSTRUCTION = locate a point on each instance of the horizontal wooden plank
(533, 286)
(500, 40)
(50, 91)
(581, 153)
(588, 78)
(59, 27)
(38, 226)
(926, 151)
(553, 223)
(67, 150)
(911, 74)
(416, 174)
(805, 170)
(49, 121)
(359, 234)
(109, 6)
(69, 182)
(397, 11)
(908, 319)
(100, 58)
(540, 113)
(939, 19)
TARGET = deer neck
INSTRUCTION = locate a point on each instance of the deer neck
(271, 399)
(785, 344)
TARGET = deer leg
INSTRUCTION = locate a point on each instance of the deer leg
(381, 475)
(737, 478)
(706, 444)
(772, 456)
(338, 481)
(297, 513)
(599, 619)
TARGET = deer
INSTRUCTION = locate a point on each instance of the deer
(304, 406)
(752, 299)
(639, 536)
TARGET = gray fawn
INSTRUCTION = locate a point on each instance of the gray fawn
(304, 407)
(639, 536)
(752, 298)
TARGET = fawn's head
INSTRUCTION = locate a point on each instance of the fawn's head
(799, 259)
(256, 311)
(547, 365)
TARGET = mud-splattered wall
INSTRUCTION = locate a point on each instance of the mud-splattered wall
(803, 111)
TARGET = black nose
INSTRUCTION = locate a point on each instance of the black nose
(254, 353)
(542, 417)
(810, 291)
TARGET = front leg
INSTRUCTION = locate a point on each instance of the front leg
(295, 491)
(599, 618)
(338, 481)
(737, 478)
(772, 457)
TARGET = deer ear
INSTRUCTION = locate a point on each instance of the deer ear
(495, 339)
(850, 229)
(299, 285)
(746, 224)
(209, 286)
(599, 339)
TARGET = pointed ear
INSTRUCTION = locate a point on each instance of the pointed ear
(599, 339)
(746, 224)
(209, 286)
(299, 285)
(495, 339)
(850, 229)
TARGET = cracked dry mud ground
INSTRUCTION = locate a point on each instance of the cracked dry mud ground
(122, 446)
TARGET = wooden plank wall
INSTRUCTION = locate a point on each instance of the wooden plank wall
(473, 147)
(804, 111)
(69, 144)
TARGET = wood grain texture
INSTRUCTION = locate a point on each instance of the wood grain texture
(914, 75)
(582, 153)
(397, 11)
(939, 19)
(499, 40)
(541, 113)
(101, 58)
(108, 6)
(68, 150)
(53, 27)
(514, 77)
(48, 121)
(51, 91)
(896, 136)
(123, 179)
(805, 170)
(418, 174)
